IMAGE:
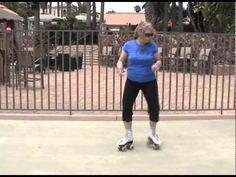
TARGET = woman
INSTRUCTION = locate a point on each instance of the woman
(143, 60)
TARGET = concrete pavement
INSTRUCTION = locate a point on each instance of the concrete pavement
(88, 147)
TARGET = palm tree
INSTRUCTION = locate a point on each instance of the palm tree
(50, 7)
(180, 16)
(102, 12)
(58, 9)
(68, 7)
(166, 15)
(149, 11)
(189, 9)
(44, 6)
(82, 7)
(88, 21)
(155, 13)
(21, 8)
(36, 9)
(94, 16)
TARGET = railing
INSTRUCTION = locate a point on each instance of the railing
(76, 74)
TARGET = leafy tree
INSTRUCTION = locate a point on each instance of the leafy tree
(217, 16)
(22, 9)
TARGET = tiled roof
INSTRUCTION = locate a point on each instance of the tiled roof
(123, 18)
(8, 10)
(8, 14)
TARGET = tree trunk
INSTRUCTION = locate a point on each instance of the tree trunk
(181, 16)
(94, 16)
(50, 7)
(36, 10)
(44, 6)
(166, 15)
(191, 18)
(88, 21)
(58, 9)
(174, 16)
(36, 16)
(102, 12)
(68, 7)
(62, 10)
(149, 11)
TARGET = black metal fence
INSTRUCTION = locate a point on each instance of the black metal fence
(76, 71)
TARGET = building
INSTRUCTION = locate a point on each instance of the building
(118, 20)
(54, 12)
(9, 20)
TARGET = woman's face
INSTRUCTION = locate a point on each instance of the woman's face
(147, 35)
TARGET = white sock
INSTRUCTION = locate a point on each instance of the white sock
(128, 132)
(153, 131)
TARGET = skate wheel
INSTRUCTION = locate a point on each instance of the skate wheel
(122, 148)
(156, 147)
(130, 147)
(149, 141)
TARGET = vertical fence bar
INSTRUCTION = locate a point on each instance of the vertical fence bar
(6, 68)
(13, 76)
(229, 78)
(77, 69)
(106, 76)
(190, 73)
(92, 70)
(62, 67)
(48, 63)
(120, 93)
(26, 67)
(41, 68)
(70, 104)
(55, 54)
(113, 80)
(35, 52)
(85, 62)
(217, 70)
(204, 71)
(177, 71)
(20, 66)
(223, 77)
(100, 50)
(184, 71)
(170, 73)
(165, 35)
(196, 98)
(210, 71)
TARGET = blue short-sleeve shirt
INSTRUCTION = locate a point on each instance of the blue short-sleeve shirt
(140, 60)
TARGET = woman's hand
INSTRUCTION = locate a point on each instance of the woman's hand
(156, 66)
(120, 68)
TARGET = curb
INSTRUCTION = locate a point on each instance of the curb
(110, 117)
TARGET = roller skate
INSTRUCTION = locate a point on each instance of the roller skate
(126, 143)
(154, 141)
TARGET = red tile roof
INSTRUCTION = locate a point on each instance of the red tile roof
(8, 14)
(8, 10)
(123, 18)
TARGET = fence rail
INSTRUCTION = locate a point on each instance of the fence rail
(76, 71)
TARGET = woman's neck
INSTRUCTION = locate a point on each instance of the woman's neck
(139, 41)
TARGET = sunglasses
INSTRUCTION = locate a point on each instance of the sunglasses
(148, 34)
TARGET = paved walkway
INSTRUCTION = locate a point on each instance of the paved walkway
(88, 147)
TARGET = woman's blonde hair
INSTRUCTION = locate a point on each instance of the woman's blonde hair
(141, 28)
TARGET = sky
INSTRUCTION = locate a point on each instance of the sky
(118, 6)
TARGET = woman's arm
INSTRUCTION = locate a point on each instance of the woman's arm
(156, 66)
(121, 61)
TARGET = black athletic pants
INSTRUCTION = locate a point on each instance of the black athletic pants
(150, 91)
